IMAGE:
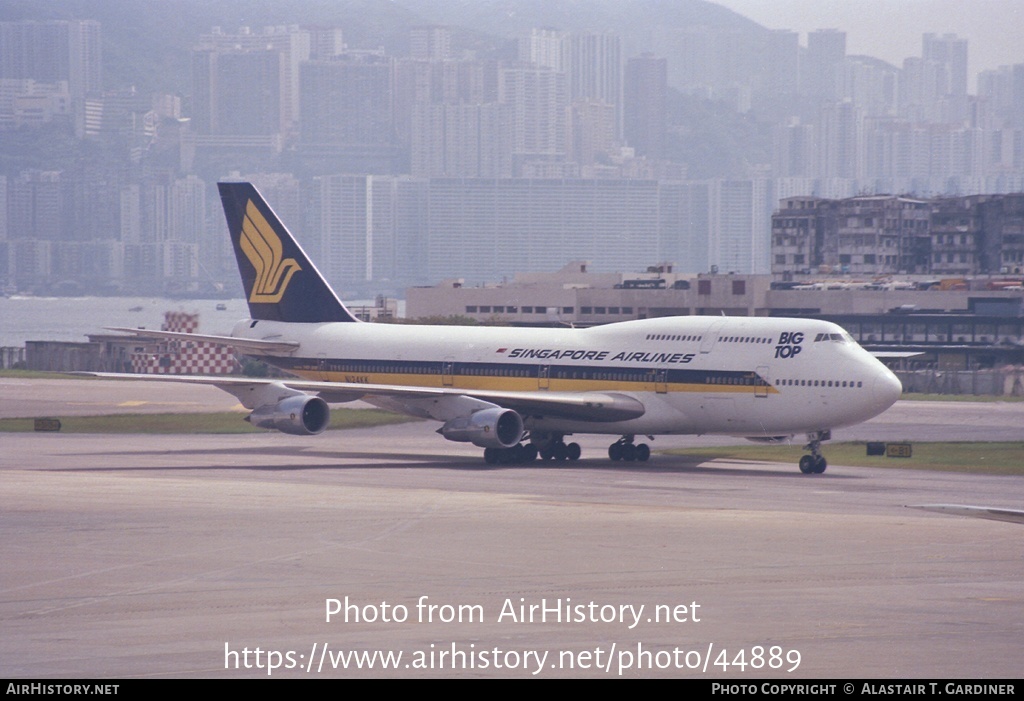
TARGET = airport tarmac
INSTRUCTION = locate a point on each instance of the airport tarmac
(170, 556)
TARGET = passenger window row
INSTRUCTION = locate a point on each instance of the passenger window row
(817, 383)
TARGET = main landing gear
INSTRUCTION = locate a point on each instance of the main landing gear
(624, 449)
(543, 446)
(516, 455)
(552, 446)
(814, 464)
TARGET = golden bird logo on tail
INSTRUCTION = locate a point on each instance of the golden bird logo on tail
(262, 246)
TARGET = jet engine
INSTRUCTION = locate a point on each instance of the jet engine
(488, 428)
(300, 415)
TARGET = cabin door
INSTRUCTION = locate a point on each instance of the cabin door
(661, 381)
(710, 336)
(761, 390)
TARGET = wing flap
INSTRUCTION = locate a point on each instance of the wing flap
(589, 406)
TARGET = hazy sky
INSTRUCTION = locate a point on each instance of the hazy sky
(891, 29)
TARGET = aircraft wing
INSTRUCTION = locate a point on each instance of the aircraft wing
(1008, 515)
(584, 406)
(253, 345)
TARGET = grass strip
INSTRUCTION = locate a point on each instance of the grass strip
(220, 422)
(968, 457)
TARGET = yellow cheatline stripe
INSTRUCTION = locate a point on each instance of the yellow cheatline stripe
(527, 384)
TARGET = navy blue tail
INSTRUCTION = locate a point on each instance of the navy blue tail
(281, 283)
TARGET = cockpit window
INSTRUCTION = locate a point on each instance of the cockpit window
(835, 337)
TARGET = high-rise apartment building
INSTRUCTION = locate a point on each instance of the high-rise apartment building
(347, 119)
(822, 65)
(462, 141)
(776, 86)
(542, 47)
(3, 212)
(793, 150)
(592, 62)
(872, 85)
(54, 52)
(539, 102)
(645, 116)
(39, 206)
(430, 43)
(371, 229)
(346, 101)
(593, 135)
(839, 140)
(485, 229)
(325, 42)
(418, 83)
(950, 53)
(239, 93)
(740, 216)
(280, 77)
(933, 88)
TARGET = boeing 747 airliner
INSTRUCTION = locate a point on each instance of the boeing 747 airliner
(518, 393)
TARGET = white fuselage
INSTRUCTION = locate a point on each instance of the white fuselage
(749, 376)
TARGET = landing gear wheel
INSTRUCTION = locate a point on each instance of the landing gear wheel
(551, 446)
(624, 449)
(561, 452)
(516, 455)
(815, 464)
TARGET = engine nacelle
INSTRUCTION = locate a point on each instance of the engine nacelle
(304, 415)
(488, 428)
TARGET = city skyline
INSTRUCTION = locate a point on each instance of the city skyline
(414, 154)
(989, 25)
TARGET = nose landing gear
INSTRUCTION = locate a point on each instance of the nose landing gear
(815, 463)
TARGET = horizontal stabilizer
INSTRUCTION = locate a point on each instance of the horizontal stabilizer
(255, 345)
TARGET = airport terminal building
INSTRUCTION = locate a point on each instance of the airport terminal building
(957, 325)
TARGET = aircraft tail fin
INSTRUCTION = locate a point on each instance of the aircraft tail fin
(281, 283)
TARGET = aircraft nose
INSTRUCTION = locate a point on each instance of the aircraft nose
(887, 389)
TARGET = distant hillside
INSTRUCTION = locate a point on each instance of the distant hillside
(146, 43)
(634, 20)
(629, 17)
